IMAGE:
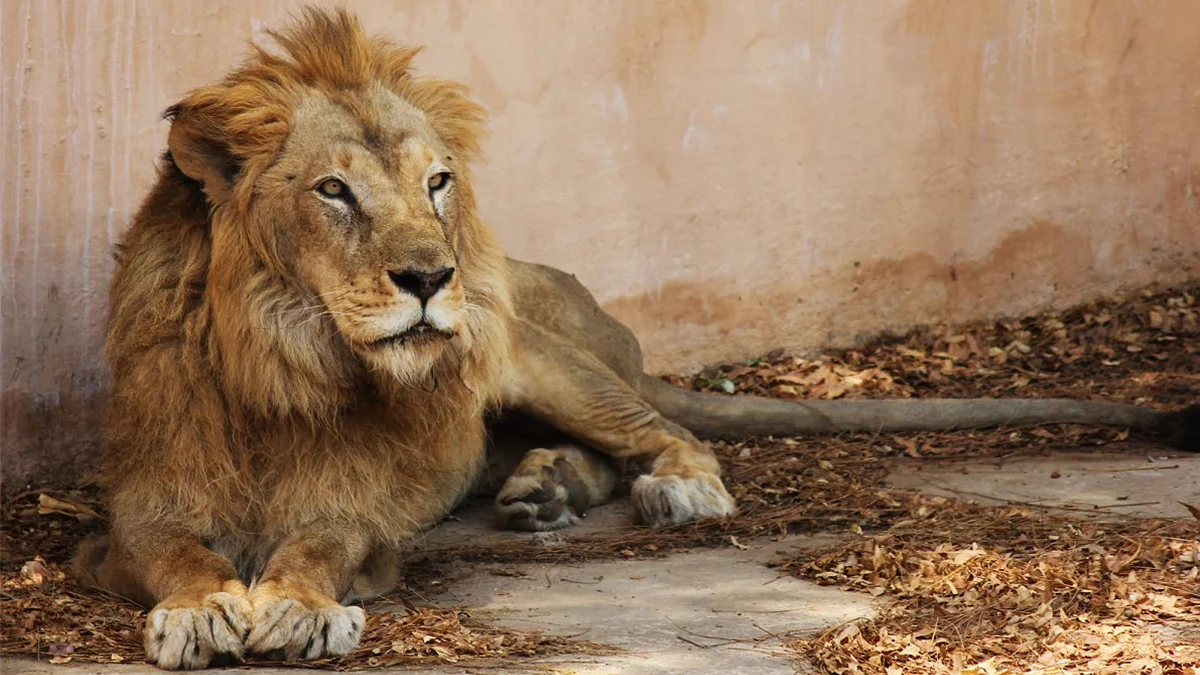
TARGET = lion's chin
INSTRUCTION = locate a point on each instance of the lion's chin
(408, 357)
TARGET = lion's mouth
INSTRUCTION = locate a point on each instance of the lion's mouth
(419, 333)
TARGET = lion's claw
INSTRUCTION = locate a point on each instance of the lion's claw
(196, 637)
(287, 627)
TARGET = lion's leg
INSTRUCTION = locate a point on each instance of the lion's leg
(553, 488)
(570, 389)
(295, 604)
(200, 613)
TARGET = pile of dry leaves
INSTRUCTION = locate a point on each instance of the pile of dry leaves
(1139, 349)
(983, 591)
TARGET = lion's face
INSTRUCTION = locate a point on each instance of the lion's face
(362, 202)
(341, 246)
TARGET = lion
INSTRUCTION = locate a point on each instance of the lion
(318, 350)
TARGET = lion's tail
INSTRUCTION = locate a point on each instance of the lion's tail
(720, 416)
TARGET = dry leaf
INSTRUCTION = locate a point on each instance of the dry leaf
(35, 572)
(48, 505)
(966, 555)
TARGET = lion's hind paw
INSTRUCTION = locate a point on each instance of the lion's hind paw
(553, 489)
(535, 503)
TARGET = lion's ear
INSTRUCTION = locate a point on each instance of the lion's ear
(199, 148)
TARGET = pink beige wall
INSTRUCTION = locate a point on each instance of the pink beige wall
(727, 177)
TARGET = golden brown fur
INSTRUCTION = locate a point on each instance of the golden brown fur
(221, 370)
(251, 367)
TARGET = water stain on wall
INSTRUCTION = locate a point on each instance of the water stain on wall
(839, 307)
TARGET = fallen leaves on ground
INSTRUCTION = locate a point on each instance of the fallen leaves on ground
(48, 504)
(43, 614)
(972, 589)
(1141, 348)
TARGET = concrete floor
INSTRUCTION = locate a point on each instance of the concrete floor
(718, 610)
(1144, 480)
(707, 611)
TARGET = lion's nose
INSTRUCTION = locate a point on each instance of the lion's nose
(421, 283)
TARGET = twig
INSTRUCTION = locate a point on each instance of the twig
(724, 640)
(1095, 507)
(697, 644)
(1132, 468)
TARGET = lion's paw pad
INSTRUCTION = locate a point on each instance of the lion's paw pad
(673, 500)
(196, 637)
(288, 628)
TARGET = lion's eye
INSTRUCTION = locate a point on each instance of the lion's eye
(333, 188)
(438, 181)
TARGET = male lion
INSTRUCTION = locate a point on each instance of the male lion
(309, 323)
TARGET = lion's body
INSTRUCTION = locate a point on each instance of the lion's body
(181, 454)
(309, 325)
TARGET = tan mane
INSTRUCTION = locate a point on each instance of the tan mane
(272, 353)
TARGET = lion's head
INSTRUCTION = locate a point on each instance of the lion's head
(345, 245)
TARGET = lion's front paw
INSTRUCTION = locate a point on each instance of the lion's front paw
(289, 628)
(671, 499)
(213, 632)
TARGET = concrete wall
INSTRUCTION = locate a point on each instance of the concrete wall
(728, 177)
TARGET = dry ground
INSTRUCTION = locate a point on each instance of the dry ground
(1008, 587)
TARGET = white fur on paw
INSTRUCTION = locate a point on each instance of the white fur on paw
(528, 503)
(286, 625)
(674, 500)
(194, 637)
